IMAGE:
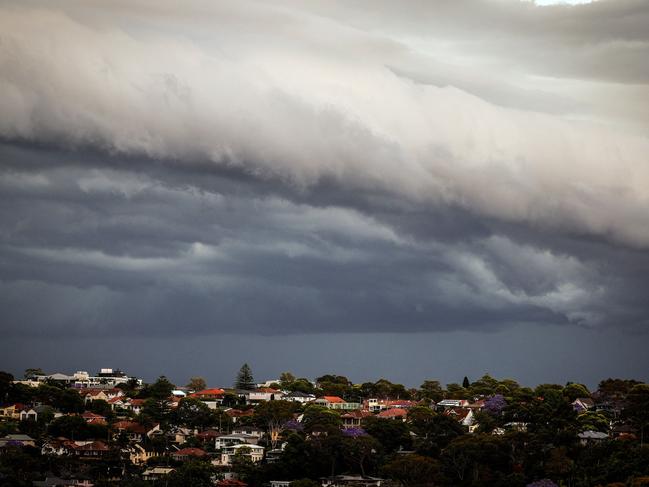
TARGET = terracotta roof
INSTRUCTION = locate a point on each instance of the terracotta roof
(237, 413)
(90, 415)
(356, 414)
(335, 399)
(231, 483)
(190, 452)
(94, 446)
(208, 434)
(208, 392)
(393, 413)
(130, 426)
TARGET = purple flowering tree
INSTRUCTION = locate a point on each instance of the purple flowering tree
(543, 483)
(495, 404)
(354, 432)
(294, 425)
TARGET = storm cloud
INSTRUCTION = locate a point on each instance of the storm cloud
(272, 168)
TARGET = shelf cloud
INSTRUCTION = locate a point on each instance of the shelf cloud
(304, 167)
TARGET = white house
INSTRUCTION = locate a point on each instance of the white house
(254, 452)
(234, 439)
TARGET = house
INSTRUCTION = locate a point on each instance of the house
(252, 431)
(28, 415)
(138, 455)
(180, 435)
(394, 413)
(592, 437)
(235, 414)
(225, 441)
(92, 418)
(188, 454)
(156, 473)
(261, 395)
(453, 403)
(352, 419)
(335, 402)
(375, 405)
(12, 411)
(208, 436)
(297, 396)
(462, 415)
(134, 431)
(209, 395)
(93, 450)
(57, 446)
(119, 403)
(59, 482)
(90, 395)
(254, 452)
(280, 483)
(351, 481)
(135, 405)
(582, 404)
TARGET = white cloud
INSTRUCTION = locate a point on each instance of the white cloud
(285, 93)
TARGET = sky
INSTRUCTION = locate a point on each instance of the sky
(413, 190)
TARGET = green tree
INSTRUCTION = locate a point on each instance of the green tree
(33, 372)
(392, 435)
(431, 390)
(593, 421)
(455, 391)
(358, 452)
(465, 383)
(156, 411)
(245, 379)
(193, 413)
(73, 427)
(194, 473)
(301, 385)
(286, 378)
(321, 419)
(572, 391)
(101, 407)
(271, 415)
(197, 384)
(637, 409)
(161, 388)
(242, 464)
(6, 383)
(412, 470)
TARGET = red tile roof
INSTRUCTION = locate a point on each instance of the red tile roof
(130, 426)
(393, 413)
(190, 452)
(335, 399)
(208, 392)
(94, 446)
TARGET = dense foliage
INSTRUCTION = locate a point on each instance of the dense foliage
(496, 433)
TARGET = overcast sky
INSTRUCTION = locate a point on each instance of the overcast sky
(407, 190)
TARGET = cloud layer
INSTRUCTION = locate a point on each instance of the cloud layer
(300, 167)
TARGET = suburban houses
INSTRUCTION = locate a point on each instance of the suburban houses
(124, 428)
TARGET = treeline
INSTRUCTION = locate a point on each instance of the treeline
(519, 436)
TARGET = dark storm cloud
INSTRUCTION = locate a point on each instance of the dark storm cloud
(104, 249)
(271, 168)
